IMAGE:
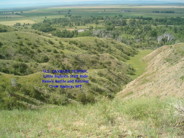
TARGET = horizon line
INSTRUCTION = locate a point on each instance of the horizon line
(97, 4)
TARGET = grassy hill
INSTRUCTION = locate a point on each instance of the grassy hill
(164, 75)
(23, 56)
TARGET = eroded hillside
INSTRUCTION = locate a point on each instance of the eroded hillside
(164, 75)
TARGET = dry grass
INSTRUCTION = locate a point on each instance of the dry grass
(11, 23)
(163, 76)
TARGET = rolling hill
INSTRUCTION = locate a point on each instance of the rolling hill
(23, 56)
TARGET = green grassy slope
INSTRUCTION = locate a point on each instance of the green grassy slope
(23, 56)
(138, 118)
(138, 63)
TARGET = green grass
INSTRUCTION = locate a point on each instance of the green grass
(182, 78)
(138, 63)
(146, 117)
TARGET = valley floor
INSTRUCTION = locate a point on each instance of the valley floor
(138, 63)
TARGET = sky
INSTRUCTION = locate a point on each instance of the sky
(33, 3)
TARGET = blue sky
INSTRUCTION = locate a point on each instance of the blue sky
(30, 3)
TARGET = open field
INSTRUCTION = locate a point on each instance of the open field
(11, 23)
(38, 15)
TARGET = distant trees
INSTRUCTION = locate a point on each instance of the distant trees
(65, 33)
(44, 27)
(154, 33)
(136, 31)
(17, 24)
(110, 27)
(170, 21)
(165, 38)
(163, 11)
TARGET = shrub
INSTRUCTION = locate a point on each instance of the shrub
(49, 50)
(17, 24)
(55, 51)
(21, 43)
(60, 43)
(50, 42)
(20, 68)
(85, 98)
(44, 27)
(44, 59)
(3, 28)
(1, 44)
(182, 78)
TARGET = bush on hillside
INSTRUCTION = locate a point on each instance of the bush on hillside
(1, 44)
